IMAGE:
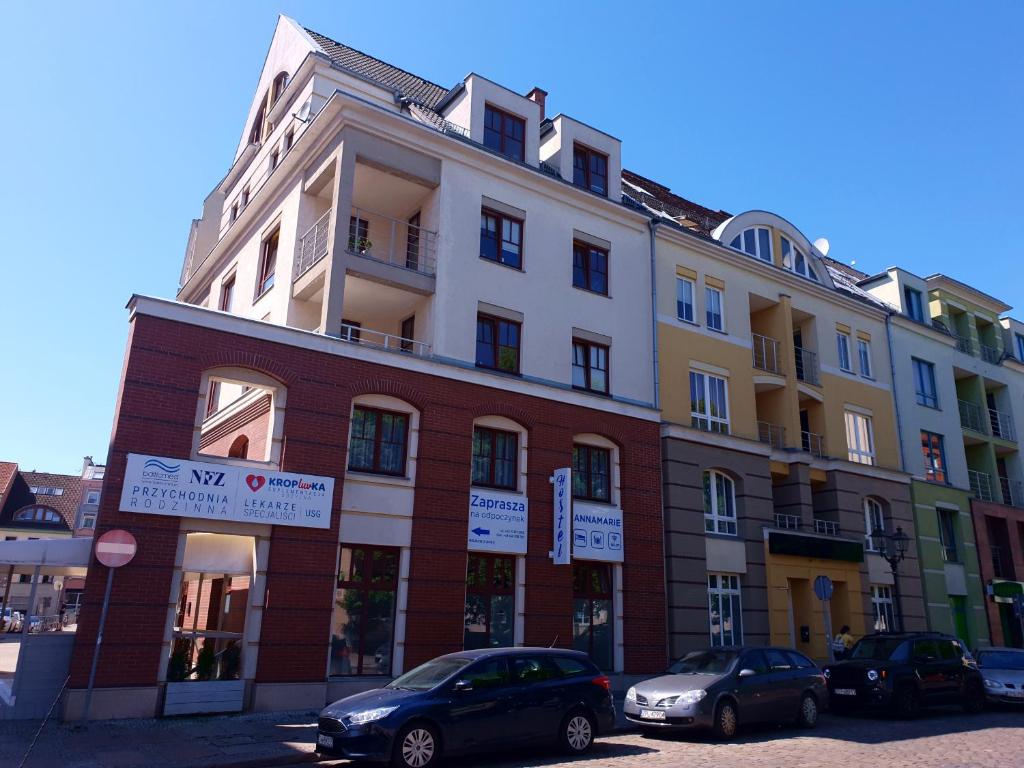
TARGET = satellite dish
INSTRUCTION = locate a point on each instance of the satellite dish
(822, 245)
(303, 113)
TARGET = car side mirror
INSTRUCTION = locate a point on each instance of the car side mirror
(746, 673)
(462, 686)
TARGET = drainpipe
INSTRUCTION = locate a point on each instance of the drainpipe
(653, 225)
(895, 398)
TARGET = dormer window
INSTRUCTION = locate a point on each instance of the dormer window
(38, 514)
(590, 169)
(505, 133)
(280, 83)
(914, 307)
(794, 260)
(756, 241)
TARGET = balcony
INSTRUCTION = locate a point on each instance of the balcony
(392, 241)
(807, 366)
(964, 344)
(813, 443)
(788, 522)
(990, 354)
(771, 434)
(981, 485)
(357, 334)
(826, 527)
(972, 417)
(766, 354)
(1002, 425)
(313, 246)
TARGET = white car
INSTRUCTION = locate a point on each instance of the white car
(12, 620)
(1003, 670)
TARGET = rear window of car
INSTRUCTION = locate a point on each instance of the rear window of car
(533, 669)
(799, 660)
(949, 650)
(777, 660)
(570, 666)
(926, 649)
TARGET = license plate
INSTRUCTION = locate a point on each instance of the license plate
(1014, 694)
(652, 714)
(325, 741)
(846, 691)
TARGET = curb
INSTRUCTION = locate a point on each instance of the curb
(265, 762)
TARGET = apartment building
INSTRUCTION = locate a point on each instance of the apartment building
(410, 312)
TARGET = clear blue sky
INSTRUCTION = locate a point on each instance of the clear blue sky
(893, 129)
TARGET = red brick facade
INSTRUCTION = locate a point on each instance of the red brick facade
(1008, 543)
(156, 408)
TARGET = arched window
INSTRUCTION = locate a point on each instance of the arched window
(239, 448)
(280, 83)
(756, 241)
(874, 520)
(794, 260)
(38, 514)
(719, 503)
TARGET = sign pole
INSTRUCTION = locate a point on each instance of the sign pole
(828, 629)
(99, 640)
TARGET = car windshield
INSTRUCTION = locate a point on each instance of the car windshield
(1001, 660)
(426, 676)
(704, 662)
(876, 648)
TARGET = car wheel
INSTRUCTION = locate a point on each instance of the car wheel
(808, 716)
(974, 700)
(417, 746)
(907, 702)
(726, 720)
(577, 735)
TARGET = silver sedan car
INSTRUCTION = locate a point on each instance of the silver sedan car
(1003, 670)
(720, 688)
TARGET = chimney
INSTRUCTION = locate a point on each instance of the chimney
(538, 95)
(86, 463)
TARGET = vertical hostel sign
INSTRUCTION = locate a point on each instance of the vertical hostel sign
(562, 516)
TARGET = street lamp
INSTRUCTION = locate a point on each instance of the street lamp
(893, 548)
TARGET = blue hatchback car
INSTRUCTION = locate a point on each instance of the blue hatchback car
(473, 701)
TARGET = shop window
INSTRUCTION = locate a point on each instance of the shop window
(495, 458)
(591, 473)
(378, 441)
(239, 420)
(490, 601)
(592, 612)
(363, 620)
(725, 610)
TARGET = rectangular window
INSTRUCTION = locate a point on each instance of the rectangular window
(234, 211)
(590, 366)
(351, 330)
(709, 403)
(713, 309)
(915, 310)
(245, 197)
(947, 535)
(590, 169)
(684, 299)
(497, 343)
(89, 521)
(924, 383)
(227, 291)
(934, 457)
(719, 503)
(358, 235)
(501, 238)
(92, 497)
(590, 267)
(874, 520)
(505, 133)
(495, 458)
(268, 263)
(490, 601)
(843, 350)
(289, 139)
(725, 609)
(592, 624)
(213, 398)
(881, 605)
(864, 354)
(363, 619)
(1020, 346)
(860, 442)
(378, 442)
(408, 333)
(591, 473)
(275, 158)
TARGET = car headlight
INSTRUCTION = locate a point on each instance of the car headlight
(668, 702)
(873, 675)
(687, 697)
(370, 715)
(827, 673)
(992, 683)
(631, 694)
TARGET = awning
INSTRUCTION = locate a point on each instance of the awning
(68, 557)
(1005, 591)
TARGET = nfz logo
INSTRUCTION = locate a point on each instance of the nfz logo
(207, 477)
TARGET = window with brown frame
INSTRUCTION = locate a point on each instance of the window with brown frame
(591, 473)
(504, 133)
(497, 343)
(289, 139)
(589, 267)
(590, 366)
(227, 293)
(378, 442)
(245, 197)
(363, 620)
(490, 601)
(495, 458)
(268, 263)
(234, 211)
(408, 333)
(501, 238)
(590, 169)
(592, 630)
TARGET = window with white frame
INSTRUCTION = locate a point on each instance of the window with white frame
(874, 520)
(860, 442)
(794, 260)
(684, 299)
(881, 606)
(719, 503)
(843, 350)
(725, 609)
(709, 403)
(756, 241)
(864, 355)
(713, 308)
(92, 497)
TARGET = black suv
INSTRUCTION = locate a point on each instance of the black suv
(904, 672)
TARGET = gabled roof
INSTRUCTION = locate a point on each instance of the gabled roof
(21, 495)
(661, 200)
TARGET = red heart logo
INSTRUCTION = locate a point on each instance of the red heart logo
(255, 482)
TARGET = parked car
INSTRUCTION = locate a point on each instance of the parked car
(720, 688)
(12, 620)
(475, 701)
(1003, 672)
(35, 624)
(905, 672)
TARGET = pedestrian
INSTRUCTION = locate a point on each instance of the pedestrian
(842, 643)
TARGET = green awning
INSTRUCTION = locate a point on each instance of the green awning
(1007, 589)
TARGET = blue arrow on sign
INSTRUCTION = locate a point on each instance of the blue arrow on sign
(481, 532)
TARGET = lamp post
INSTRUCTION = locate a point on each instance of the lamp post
(893, 548)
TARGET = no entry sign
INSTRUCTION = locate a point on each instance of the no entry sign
(116, 548)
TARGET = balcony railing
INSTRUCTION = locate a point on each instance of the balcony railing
(972, 417)
(392, 241)
(807, 365)
(789, 522)
(964, 344)
(826, 527)
(766, 353)
(813, 444)
(772, 434)
(313, 245)
(981, 485)
(379, 340)
(990, 354)
(1002, 425)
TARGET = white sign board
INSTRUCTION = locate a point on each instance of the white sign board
(596, 532)
(160, 486)
(497, 521)
(562, 518)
